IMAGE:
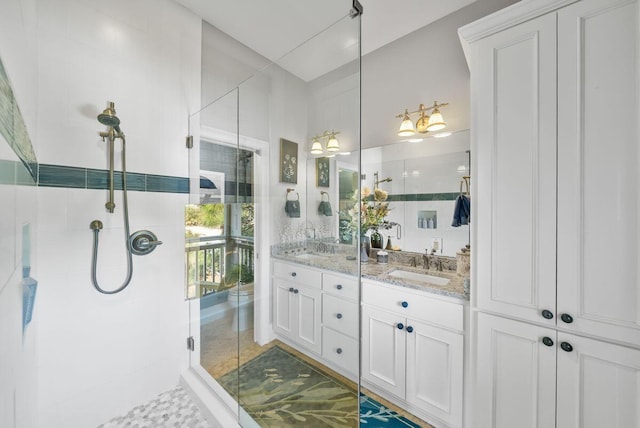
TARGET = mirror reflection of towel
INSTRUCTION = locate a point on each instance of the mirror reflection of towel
(462, 211)
(292, 208)
(325, 208)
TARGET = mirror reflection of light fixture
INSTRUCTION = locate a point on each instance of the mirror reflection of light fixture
(425, 123)
(332, 143)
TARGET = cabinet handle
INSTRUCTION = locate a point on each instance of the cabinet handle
(566, 318)
(547, 341)
(339, 286)
(409, 329)
(290, 289)
(293, 274)
(405, 304)
(547, 314)
(400, 326)
(339, 350)
(339, 316)
(295, 291)
(566, 346)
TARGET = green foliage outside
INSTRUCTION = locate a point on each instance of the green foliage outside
(247, 219)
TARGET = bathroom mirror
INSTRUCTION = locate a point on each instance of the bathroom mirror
(425, 180)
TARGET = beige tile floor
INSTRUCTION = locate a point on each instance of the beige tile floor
(219, 355)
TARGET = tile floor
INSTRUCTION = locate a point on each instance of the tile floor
(172, 409)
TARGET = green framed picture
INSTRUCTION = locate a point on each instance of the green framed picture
(288, 161)
(323, 172)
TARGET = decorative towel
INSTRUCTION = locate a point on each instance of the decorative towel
(292, 208)
(462, 211)
(325, 208)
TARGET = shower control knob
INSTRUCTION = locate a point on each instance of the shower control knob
(143, 242)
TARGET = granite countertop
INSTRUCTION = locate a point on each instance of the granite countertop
(377, 271)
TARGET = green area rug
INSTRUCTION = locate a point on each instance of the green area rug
(279, 390)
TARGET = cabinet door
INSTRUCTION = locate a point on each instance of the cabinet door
(435, 371)
(383, 350)
(598, 384)
(515, 374)
(283, 310)
(514, 122)
(598, 163)
(308, 328)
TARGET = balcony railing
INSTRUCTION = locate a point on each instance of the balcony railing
(209, 259)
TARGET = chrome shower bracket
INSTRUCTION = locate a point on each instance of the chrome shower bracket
(143, 242)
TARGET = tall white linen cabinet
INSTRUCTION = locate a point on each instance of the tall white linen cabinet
(555, 297)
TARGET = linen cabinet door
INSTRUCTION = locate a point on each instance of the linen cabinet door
(514, 122)
(516, 374)
(435, 371)
(598, 164)
(598, 384)
(383, 350)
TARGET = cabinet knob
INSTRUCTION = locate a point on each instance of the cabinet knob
(405, 304)
(293, 274)
(339, 316)
(566, 346)
(339, 350)
(400, 326)
(547, 314)
(409, 329)
(290, 289)
(566, 318)
(295, 291)
(547, 341)
(339, 286)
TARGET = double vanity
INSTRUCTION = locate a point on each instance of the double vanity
(411, 324)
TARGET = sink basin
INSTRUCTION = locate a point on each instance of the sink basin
(420, 277)
(309, 256)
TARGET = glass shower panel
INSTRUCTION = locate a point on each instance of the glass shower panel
(304, 373)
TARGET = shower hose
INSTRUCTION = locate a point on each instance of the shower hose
(96, 231)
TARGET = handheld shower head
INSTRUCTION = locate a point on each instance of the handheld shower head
(108, 117)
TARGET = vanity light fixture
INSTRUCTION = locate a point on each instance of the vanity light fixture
(332, 143)
(425, 123)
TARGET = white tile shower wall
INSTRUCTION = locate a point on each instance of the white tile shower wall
(100, 355)
(18, 372)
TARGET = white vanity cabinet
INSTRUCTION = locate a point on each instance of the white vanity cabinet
(556, 191)
(297, 304)
(412, 349)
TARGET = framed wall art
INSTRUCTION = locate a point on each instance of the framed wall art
(288, 161)
(323, 172)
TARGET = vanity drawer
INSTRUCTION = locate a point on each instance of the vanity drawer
(297, 274)
(341, 350)
(339, 285)
(419, 306)
(341, 315)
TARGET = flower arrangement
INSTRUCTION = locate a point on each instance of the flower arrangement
(373, 209)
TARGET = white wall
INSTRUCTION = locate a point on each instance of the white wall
(99, 355)
(18, 390)
(421, 67)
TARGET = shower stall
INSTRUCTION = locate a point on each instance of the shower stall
(251, 152)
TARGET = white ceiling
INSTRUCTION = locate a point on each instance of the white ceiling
(273, 28)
